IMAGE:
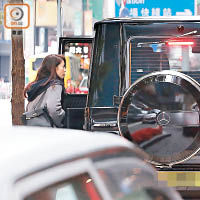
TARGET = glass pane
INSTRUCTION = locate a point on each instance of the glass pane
(164, 53)
(146, 194)
(131, 179)
(76, 188)
(78, 57)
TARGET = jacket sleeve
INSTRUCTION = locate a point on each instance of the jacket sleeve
(53, 102)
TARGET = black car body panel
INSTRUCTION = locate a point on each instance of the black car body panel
(124, 51)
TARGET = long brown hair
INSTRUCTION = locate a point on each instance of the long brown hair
(47, 70)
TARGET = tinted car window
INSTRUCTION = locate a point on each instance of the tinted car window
(104, 81)
(76, 188)
(146, 194)
(126, 180)
(161, 46)
(156, 54)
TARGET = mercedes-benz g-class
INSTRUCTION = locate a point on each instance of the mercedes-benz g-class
(143, 84)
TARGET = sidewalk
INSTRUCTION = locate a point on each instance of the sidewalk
(5, 110)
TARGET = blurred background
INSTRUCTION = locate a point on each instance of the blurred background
(52, 18)
(76, 18)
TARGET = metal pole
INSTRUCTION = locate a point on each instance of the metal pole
(83, 19)
(34, 27)
(59, 25)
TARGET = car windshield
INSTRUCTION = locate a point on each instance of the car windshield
(148, 54)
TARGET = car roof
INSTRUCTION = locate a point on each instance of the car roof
(149, 19)
(27, 149)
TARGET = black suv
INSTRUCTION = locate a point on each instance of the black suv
(144, 85)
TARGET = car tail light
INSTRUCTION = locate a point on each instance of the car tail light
(180, 43)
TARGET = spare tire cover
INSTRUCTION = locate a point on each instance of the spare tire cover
(160, 113)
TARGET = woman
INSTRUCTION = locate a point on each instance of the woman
(46, 91)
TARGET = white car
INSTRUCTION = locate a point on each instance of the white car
(63, 164)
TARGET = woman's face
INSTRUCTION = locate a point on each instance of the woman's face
(60, 70)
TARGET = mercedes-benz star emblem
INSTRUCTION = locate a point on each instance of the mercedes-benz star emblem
(163, 118)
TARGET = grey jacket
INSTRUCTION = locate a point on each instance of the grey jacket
(52, 100)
